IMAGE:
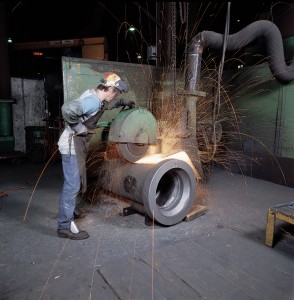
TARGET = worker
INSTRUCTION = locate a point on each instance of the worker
(80, 117)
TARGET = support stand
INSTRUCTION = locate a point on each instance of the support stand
(196, 212)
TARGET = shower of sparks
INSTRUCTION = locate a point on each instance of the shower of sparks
(216, 141)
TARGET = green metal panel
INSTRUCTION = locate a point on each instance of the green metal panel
(6, 126)
(80, 74)
(288, 45)
(287, 120)
(266, 108)
(7, 143)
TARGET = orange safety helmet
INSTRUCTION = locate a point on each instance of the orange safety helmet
(113, 80)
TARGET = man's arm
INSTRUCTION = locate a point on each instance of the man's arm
(72, 111)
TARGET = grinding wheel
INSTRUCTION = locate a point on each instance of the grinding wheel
(135, 126)
(131, 152)
(133, 131)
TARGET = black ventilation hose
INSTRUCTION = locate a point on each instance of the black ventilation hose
(262, 28)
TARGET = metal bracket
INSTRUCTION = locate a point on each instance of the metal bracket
(130, 210)
(127, 211)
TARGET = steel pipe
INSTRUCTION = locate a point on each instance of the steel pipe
(167, 190)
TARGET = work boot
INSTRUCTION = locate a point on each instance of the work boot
(73, 233)
(78, 214)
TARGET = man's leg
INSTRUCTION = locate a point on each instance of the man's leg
(70, 189)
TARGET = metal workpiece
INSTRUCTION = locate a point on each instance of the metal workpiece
(167, 189)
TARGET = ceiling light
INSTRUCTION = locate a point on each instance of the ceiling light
(132, 28)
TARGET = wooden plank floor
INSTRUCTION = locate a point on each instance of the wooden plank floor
(219, 256)
(226, 265)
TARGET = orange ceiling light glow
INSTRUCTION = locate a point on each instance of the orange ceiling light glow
(36, 53)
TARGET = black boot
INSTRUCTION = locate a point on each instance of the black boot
(73, 233)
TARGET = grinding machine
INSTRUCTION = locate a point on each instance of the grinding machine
(161, 187)
(164, 185)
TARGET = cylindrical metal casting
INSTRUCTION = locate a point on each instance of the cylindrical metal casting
(167, 190)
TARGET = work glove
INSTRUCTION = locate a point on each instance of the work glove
(125, 102)
(81, 129)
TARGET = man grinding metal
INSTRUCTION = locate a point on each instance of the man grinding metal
(80, 117)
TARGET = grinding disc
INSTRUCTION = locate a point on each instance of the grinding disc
(131, 152)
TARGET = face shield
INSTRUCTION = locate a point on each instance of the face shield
(122, 86)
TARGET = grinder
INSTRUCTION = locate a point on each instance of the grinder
(133, 131)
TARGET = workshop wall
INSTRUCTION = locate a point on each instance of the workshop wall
(264, 128)
(29, 107)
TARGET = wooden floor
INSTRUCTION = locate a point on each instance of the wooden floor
(225, 265)
(220, 255)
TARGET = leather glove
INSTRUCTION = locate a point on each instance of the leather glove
(125, 102)
(81, 129)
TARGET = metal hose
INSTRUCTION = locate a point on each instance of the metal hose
(262, 28)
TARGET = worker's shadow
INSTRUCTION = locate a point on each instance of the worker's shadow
(146, 220)
(38, 224)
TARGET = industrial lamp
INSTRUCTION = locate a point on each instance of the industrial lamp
(132, 28)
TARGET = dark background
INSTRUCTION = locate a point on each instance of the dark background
(31, 20)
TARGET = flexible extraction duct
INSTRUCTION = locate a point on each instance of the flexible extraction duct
(262, 28)
(167, 189)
